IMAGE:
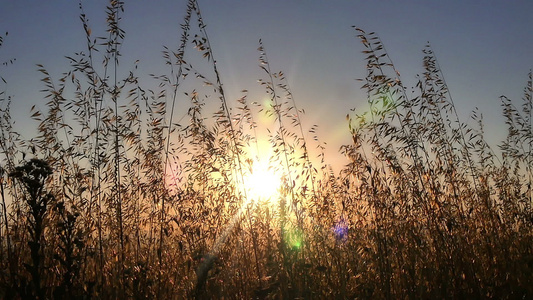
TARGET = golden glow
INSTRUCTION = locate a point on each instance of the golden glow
(262, 183)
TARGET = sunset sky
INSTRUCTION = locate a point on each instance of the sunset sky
(485, 48)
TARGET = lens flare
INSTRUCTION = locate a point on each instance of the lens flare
(340, 230)
(294, 238)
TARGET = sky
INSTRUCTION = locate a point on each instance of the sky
(483, 47)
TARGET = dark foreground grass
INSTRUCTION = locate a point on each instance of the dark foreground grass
(115, 198)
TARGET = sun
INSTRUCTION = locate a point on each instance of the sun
(262, 183)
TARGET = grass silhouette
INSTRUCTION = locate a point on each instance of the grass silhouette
(115, 197)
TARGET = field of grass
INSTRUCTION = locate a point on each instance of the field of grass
(116, 198)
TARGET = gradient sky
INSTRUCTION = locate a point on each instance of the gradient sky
(485, 48)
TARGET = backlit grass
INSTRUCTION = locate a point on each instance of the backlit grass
(118, 196)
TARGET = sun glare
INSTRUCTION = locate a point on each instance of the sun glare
(262, 183)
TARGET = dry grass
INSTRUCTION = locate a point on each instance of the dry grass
(118, 199)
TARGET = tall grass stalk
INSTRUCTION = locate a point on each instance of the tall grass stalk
(135, 187)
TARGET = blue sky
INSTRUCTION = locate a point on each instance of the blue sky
(483, 47)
